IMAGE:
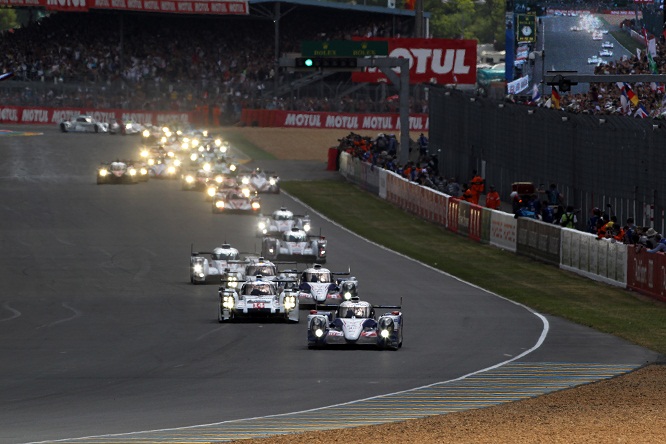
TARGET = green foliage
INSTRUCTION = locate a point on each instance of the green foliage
(469, 19)
(7, 19)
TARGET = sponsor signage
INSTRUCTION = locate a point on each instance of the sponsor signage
(208, 7)
(526, 28)
(344, 48)
(38, 115)
(436, 61)
(374, 122)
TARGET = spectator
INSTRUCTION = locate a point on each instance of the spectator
(592, 221)
(453, 187)
(568, 219)
(476, 187)
(660, 245)
(546, 212)
(516, 202)
(555, 197)
(468, 195)
(493, 199)
(423, 145)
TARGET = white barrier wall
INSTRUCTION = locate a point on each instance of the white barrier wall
(594, 258)
(503, 230)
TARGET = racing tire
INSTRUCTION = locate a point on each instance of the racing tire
(96, 129)
(220, 318)
(63, 128)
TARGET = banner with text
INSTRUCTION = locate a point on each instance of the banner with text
(43, 116)
(208, 7)
(436, 61)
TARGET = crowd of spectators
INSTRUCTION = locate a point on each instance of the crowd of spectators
(168, 62)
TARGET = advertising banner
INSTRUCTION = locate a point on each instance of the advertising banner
(646, 273)
(539, 240)
(42, 115)
(594, 258)
(436, 61)
(503, 230)
(325, 120)
(452, 215)
(207, 7)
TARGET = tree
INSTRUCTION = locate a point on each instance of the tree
(7, 19)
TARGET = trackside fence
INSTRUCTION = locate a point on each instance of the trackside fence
(613, 263)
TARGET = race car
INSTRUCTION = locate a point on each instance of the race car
(295, 245)
(607, 44)
(354, 323)
(83, 124)
(117, 172)
(259, 266)
(195, 181)
(262, 181)
(258, 298)
(281, 220)
(223, 262)
(236, 200)
(164, 167)
(606, 53)
(594, 60)
(318, 286)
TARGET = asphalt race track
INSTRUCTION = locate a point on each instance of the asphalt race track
(102, 333)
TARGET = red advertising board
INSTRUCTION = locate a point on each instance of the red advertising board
(452, 215)
(42, 116)
(437, 61)
(646, 273)
(475, 214)
(208, 7)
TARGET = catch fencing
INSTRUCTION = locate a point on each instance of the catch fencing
(613, 162)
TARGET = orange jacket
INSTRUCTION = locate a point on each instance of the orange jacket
(493, 200)
(468, 196)
(477, 184)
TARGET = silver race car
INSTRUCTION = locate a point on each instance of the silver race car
(295, 245)
(354, 323)
(117, 172)
(236, 200)
(83, 124)
(222, 262)
(318, 286)
(280, 221)
(258, 298)
(263, 181)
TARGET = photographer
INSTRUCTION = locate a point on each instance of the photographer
(568, 219)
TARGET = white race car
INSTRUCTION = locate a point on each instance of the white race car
(263, 181)
(606, 53)
(295, 245)
(607, 44)
(83, 124)
(319, 287)
(222, 262)
(594, 60)
(355, 324)
(280, 221)
(236, 200)
(117, 172)
(258, 298)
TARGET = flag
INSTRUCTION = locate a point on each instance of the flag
(645, 35)
(633, 98)
(6, 75)
(652, 64)
(535, 93)
(410, 4)
(641, 112)
(657, 87)
(556, 98)
(625, 104)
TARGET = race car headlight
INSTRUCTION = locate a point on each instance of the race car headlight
(145, 133)
(228, 302)
(272, 181)
(261, 225)
(195, 142)
(306, 227)
(205, 133)
(151, 161)
(385, 334)
(171, 170)
(193, 156)
(232, 167)
(144, 153)
(289, 302)
(185, 145)
(128, 126)
(246, 192)
(322, 252)
(218, 142)
(219, 204)
(103, 172)
(270, 250)
(163, 140)
(170, 154)
(144, 171)
(132, 172)
(197, 268)
(385, 327)
(219, 179)
(201, 149)
(245, 180)
(165, 129)
(206, 166)
(176, 162)
(189, 179)
(256, 205)
(347, 295)
(211, 191)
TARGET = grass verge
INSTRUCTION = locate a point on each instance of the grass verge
(545, 288)
(248, 148)
(629, 44)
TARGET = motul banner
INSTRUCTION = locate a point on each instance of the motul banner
(39, 115)
(646, 273)
(437, 61)
(215, 7)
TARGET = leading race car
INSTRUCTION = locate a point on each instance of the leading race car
(83, 124)
(222, 262)
(295, 245)
(258, 298)
(318, 286)
(355, 323)
(607, 45)
(606, 53)
(236, 200)
(117, 172)
(280, 221)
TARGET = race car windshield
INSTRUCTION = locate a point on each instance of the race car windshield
(117, 166)
(263, 270)
(225, 256)
(357, 311)
(295, 236)
(257, 290)
(282, 216)
(317, 277)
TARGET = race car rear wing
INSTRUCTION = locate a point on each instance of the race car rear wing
(399, 307)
